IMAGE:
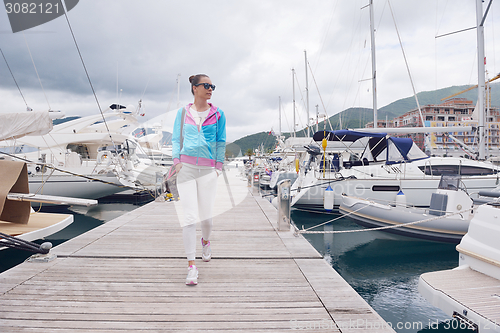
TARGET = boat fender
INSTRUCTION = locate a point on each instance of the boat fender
(401, 199)
(328, 199)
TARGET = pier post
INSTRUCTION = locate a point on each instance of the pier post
(255, 181)
(159, 186)
(284, 204)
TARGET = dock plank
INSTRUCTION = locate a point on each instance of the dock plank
(473, 290)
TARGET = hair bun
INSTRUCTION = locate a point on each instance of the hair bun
(191, 78)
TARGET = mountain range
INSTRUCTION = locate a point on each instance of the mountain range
(357, 117)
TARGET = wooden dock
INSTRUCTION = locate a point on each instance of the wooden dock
(464, 293)
(128, 275)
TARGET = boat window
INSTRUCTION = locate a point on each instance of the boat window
(385, 188)
(449, 182)
(438, 170)
(80, 149)
(476, 171)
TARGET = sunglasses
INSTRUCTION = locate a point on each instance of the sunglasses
(205, 85)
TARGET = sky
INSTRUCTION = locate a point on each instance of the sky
(146, 50)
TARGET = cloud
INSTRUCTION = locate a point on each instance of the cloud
(136, 50)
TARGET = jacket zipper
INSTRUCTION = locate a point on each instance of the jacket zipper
(199, 137)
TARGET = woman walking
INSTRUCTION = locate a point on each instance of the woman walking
(198, 151)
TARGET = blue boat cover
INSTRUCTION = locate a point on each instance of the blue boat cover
(379, 147)
(407, 149)
(403, 144)
(345, 135)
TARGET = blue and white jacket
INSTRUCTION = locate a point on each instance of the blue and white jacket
(205, 146)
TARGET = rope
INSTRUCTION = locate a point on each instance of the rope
(66, 171)
(320, 98)
(407, 66)
(87, 73)
(27, 107)
(323, 183)
(21, 244)
(36, 71)
(333, 220)
(306, 231)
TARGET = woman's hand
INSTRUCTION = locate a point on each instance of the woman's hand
(178, 167)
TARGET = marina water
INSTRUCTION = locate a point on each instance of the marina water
(85, 219)
(384, 269)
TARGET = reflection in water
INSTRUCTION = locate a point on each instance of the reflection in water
(85, 219)
(384, 269)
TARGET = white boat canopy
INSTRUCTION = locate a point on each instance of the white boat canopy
(17, 125)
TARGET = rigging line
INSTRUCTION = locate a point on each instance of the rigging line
(343, 63)
(87, 73)
(438, 22)
(48, 146)
(302, 99)
(66, 171)
(326, 33)
(27, 107)
(406, 63)
(329, 221)
(146, 87)
(36, 71)
(320, 98)
(43, 183)
(286, 120)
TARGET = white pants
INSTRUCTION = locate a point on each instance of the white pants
(197, 188)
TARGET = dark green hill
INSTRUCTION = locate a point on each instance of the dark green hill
(401, 106)
(359, 117)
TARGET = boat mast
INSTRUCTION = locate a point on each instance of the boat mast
(279, 117)
(480, 77)
(317, 117)
(293, 98)
(374, 71)
(178, 90)
(307, 95)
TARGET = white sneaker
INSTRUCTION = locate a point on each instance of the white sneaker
(192, 277)
(206, 253)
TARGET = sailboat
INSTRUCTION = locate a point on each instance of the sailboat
(387, 166)
(474, 300)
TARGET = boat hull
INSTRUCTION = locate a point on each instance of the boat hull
(39, 226)
(73, 186)
(372, 214)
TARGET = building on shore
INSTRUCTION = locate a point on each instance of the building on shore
(452, 112)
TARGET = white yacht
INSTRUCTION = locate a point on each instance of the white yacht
(470, 292)
(447, 218)
(91, 158)
(387, 165)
